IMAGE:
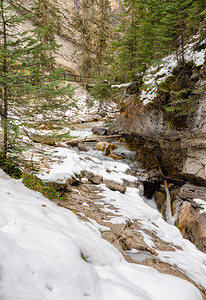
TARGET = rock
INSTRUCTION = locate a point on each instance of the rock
(133, 88)
(190, 191)
(86, 174)
(72, 181)
(88, 118)
(96, 179)
(134, 184)
(99, 130)
(115, 156)
(82, 147)
(191, 219)
(192, 225)
(102, 146)
(160, 199)
(59, 186)
(115, 186)
(97, 118)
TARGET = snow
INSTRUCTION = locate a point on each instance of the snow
(72, 164)
(156, 75)
(202, 204)
(120, 85)
(131, 206)
(41, 246)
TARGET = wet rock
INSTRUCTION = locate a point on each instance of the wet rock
(99, 130)
(115, 156)
(134, 184)
(115, 186)
(82, 147)
(160, 199)
(102, 146)
(86, 174)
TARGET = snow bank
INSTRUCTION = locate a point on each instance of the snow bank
(41, 246)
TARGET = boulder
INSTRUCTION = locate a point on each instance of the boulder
(102, 146)
(99, 130)
(82, 147)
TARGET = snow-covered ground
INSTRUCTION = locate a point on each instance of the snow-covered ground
(70, 164)
(156, 75)
(42, 253)
(130, 206)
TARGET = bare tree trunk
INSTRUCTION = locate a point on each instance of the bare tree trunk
(5, 94)
(182, 49)
(5, 123)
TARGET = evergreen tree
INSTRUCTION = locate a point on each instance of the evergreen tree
(103, 34)
(83, 22)
(151, 29)
(20, 58)
(179, 21)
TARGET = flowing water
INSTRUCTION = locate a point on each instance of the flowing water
(129, 157)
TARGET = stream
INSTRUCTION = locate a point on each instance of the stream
(108, 196)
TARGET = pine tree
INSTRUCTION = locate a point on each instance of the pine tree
(127, 46)
(20, 58)
(102, 34)
(180, 19)
(83, 22)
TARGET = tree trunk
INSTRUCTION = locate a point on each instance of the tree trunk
(182, 49)
(5, 94)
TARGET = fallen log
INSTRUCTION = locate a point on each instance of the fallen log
(92, 139)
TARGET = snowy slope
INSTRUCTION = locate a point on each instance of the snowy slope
(129, 206)
(41, 246)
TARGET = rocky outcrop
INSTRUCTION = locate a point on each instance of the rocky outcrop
(190, 213)
(69, 54)
(149, 132)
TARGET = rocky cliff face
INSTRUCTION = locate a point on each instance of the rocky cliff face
(70, 52)
(182, 152)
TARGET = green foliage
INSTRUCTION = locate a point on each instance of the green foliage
(179, 104)
(11, 166)
(27, 68)
(149, 30)
(32, 182)
(101, 90)
(173, 96)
